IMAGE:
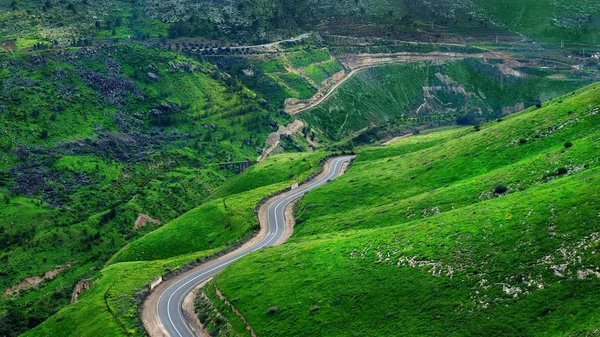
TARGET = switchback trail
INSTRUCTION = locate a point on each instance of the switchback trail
(163, 313)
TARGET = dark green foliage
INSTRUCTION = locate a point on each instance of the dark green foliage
(99, 142)
(500, 189)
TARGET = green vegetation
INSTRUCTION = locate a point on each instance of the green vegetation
(110, 306)
(551, 21)
(96, 137)
(466, 232)
(300, 87)
(320, 72)
(287, 75)
(304, 58)
(228, 219)
(463, 92)
(33, 24)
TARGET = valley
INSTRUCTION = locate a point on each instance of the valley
(139, 140)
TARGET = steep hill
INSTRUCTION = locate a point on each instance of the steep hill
(111, 304)
(26, 23)
(464, 232)
(99, 146)
(432, 93)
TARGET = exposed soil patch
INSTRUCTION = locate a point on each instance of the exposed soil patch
(34, 281)
(144, 219)
(275, 137)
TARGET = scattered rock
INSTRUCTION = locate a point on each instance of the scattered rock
(153, 76)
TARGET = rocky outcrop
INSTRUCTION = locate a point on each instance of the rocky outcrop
(79, 288)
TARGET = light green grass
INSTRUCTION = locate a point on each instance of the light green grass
(320, 72)
(306, 57)
(226, 220)
(110, 306)
(413, 240)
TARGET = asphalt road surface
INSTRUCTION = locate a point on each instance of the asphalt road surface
(169, 307)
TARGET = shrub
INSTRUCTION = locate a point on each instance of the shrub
(500, 189)
(477, 128)
(568, 145)
(562, 171)
(539, 105)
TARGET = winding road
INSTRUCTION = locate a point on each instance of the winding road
(165, 304)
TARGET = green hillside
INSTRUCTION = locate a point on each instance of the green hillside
(110, 307)
(39, 24)
(460, 232)
(573, 22)
(92, 139)
(467, 92)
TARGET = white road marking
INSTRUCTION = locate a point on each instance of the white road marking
(270, 237)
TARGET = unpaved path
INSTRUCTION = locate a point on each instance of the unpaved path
(360, 62)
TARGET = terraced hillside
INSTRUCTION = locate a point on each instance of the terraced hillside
(461, 232)
(30, 23)
(99, 147)
(432, 93)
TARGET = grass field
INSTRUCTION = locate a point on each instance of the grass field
(549, 21)
(461, 232)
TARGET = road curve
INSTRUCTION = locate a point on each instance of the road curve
(167, 307)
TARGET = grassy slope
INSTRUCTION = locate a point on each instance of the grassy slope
(109, 307)
(228, 218)
(282, 76)
(548, 21)
(67, 23)
(413, 240)
(124, 281)
(82, 158)
(395, 92)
